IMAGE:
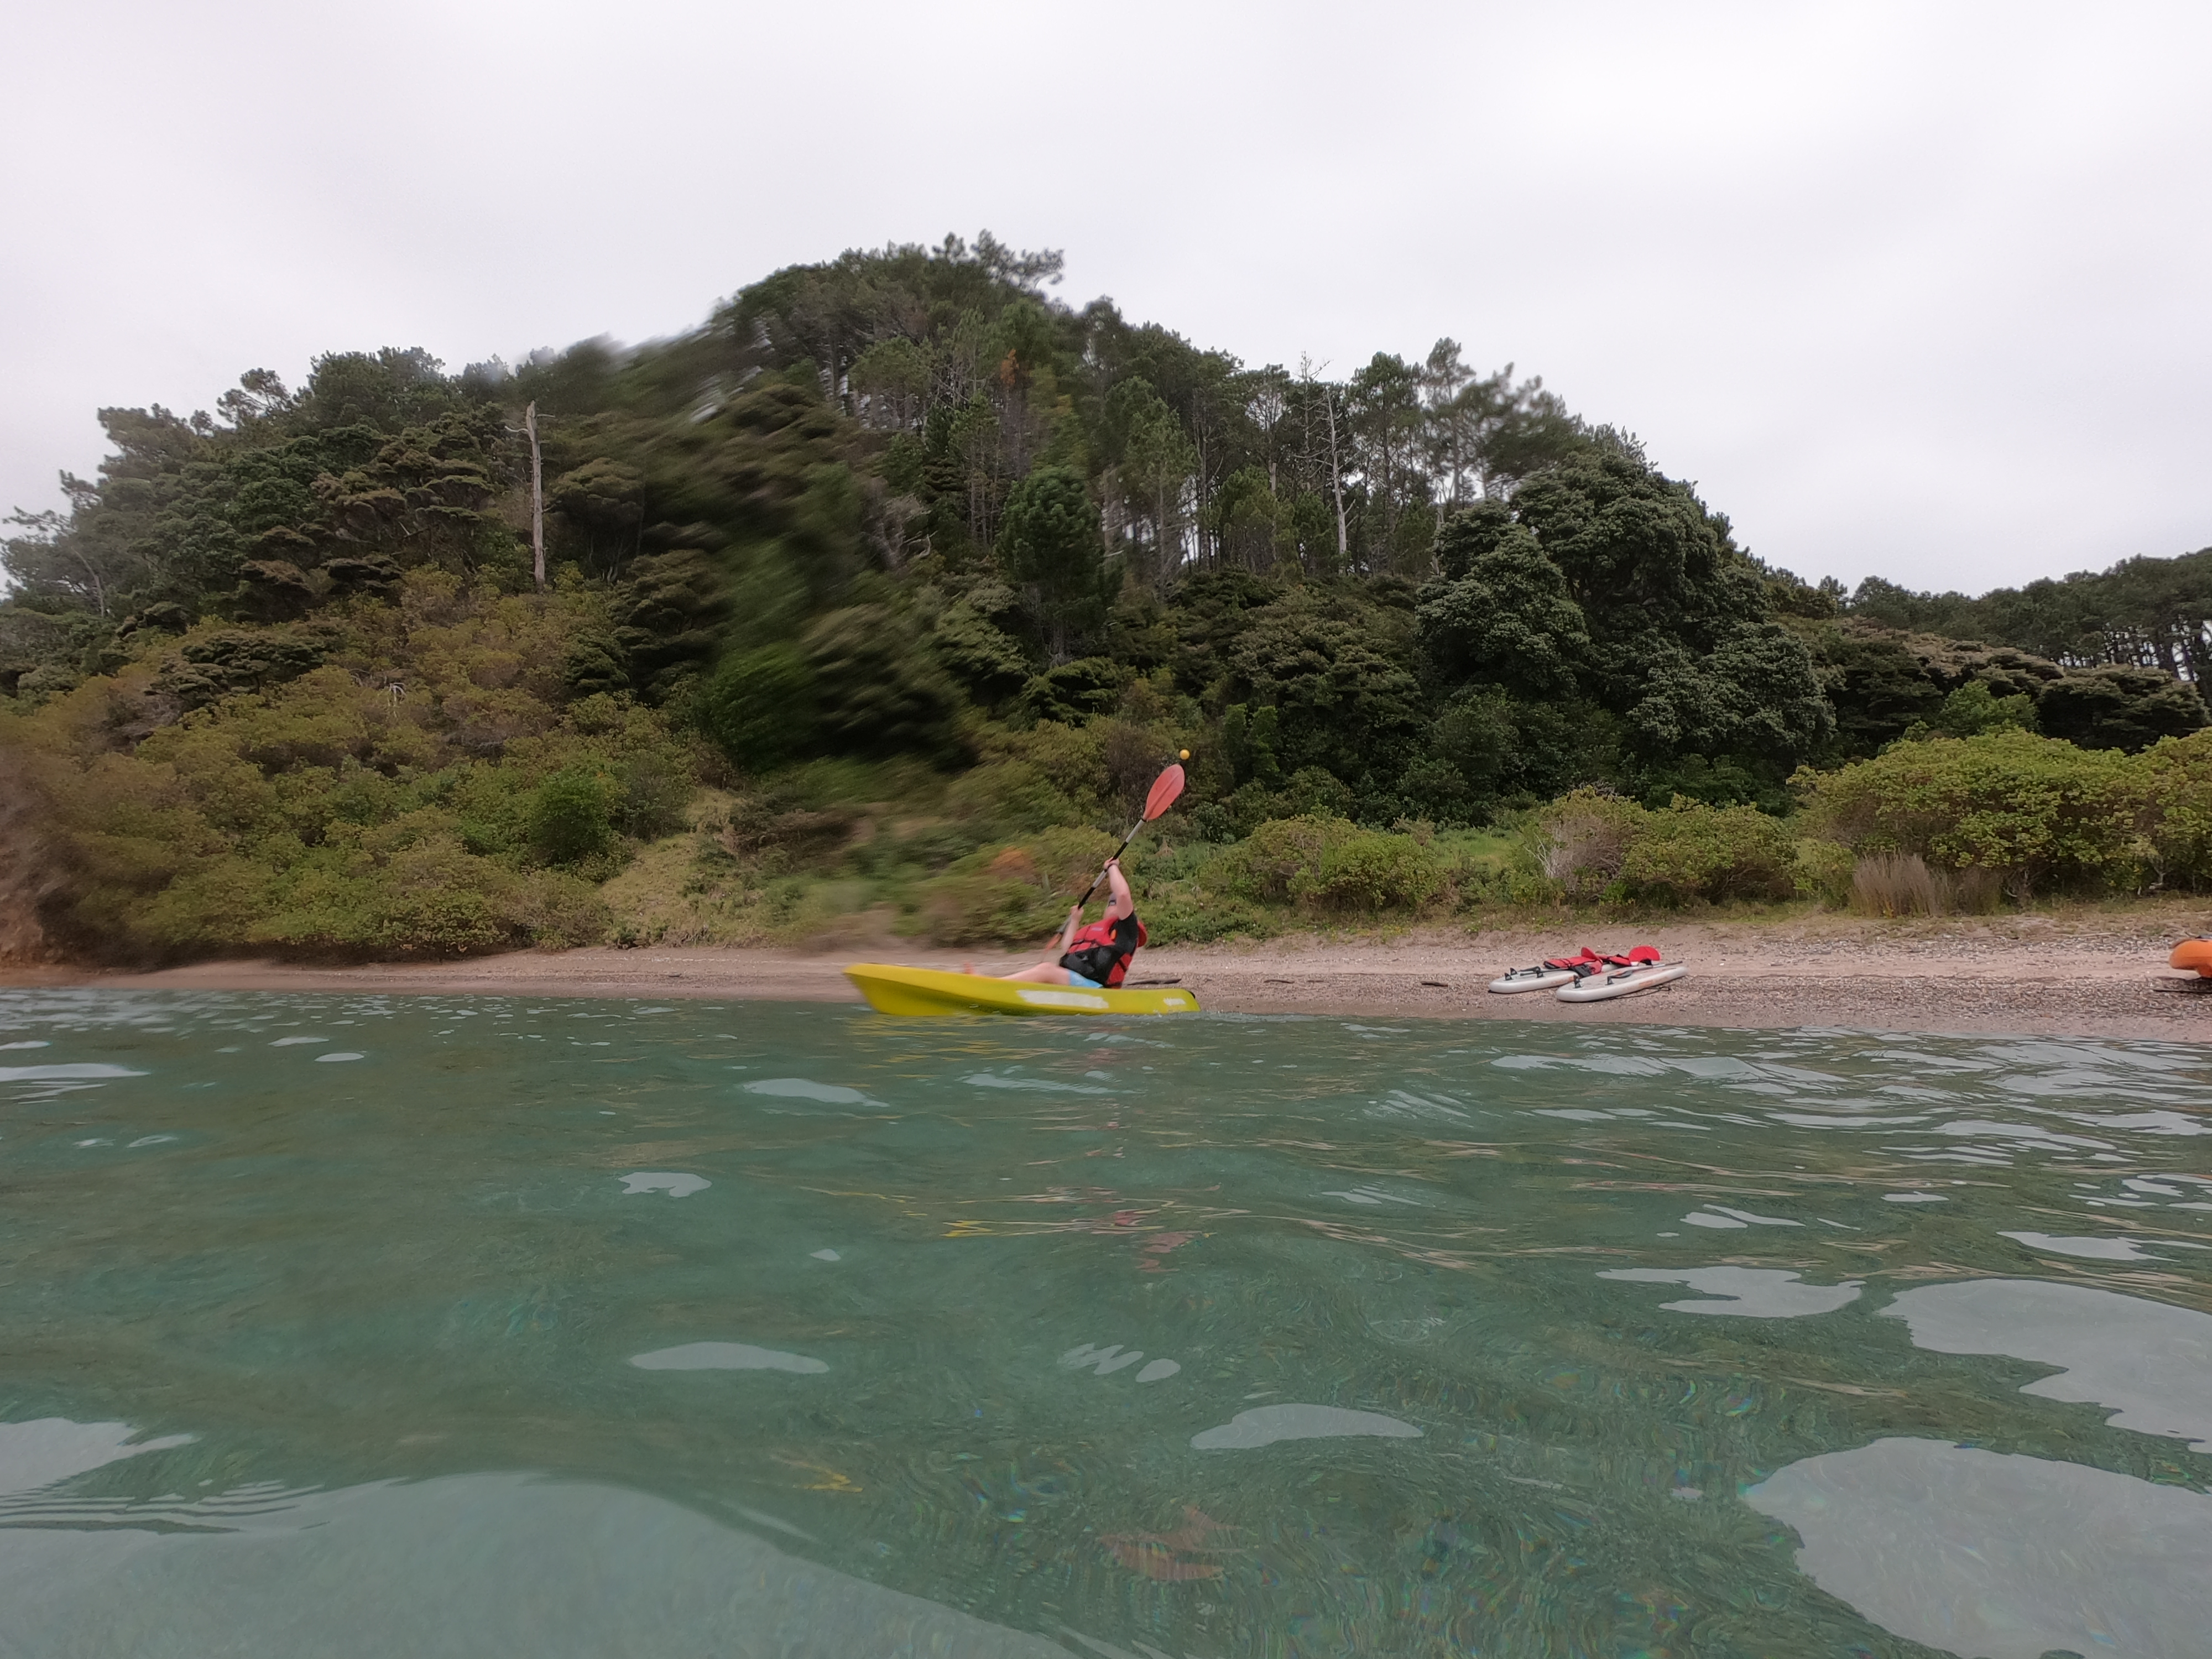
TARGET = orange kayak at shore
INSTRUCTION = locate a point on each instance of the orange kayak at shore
(2195, 954)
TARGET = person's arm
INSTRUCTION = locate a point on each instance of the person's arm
(1074, 921)
(1121, 904)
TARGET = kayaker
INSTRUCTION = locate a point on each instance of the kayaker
(1098, 956)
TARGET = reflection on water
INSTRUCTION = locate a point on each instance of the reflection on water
(35, 1454)
(1971, 1551)
(1212, 1337)
(2150, 1362)
(1744, 1292)
(1263, 1426)
(463, 1565)
(723, 1357)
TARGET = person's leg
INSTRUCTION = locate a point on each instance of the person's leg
(1044, 973)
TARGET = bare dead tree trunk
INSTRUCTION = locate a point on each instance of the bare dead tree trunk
(99, 587)
(537, 499)
(1336, 484)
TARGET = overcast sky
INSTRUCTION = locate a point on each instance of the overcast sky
(1915, 290)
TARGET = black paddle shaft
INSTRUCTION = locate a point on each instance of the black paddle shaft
(1165, 790)
(1101, 876)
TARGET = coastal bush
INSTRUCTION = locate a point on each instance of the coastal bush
(1267, 863)
(1691, 851)
(396, 790)
(2174, 784)
(1370, 871)
(1825, 870)
(1579, 842)
(2037, 813)
(570, 819)
(976, 585)
(1332, 865)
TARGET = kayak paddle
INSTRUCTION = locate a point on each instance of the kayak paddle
(1165, 790)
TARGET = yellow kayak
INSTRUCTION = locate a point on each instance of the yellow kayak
(927, 991)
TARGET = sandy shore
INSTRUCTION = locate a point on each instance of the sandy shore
(2028, 976)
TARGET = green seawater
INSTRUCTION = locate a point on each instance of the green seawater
(358, 1325)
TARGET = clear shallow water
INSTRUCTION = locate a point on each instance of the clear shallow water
(355, 1325)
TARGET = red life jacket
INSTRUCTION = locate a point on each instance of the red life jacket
(1102, 951)
(1587, 962)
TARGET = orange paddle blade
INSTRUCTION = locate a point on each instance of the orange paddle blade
(1165, 789)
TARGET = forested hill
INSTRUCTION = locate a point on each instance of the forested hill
(2146, 613)
(906, 509)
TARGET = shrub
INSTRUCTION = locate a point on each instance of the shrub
(2034, 811)
(557, 910)
(1334, 865)
(1009, 795)
(760, 707)
(1201, 918)
(1368, 870)
(1314, 792)
(1692, 851)
(1580, 842)
(656, 788)
(1252, 805)
(977, 907)
(1267, 863)
(1211, 821)
(1896, 884)
(1825, 871)
(1067, 859)
(570, 817)
(2174, 781)
(1072, 758)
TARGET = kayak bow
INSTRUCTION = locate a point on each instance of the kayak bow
(931, 992)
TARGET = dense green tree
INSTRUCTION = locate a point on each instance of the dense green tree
(1340, 677)
(1973, 708)
(1754, 693)
(761, 705)
(1049, 544)
(977, 652)
(877, 692)
(669, 619)
(1878, 687)
(570, 817)
(1502, 616)
(2119, 707)
(1642, 558)
(1603, 581)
